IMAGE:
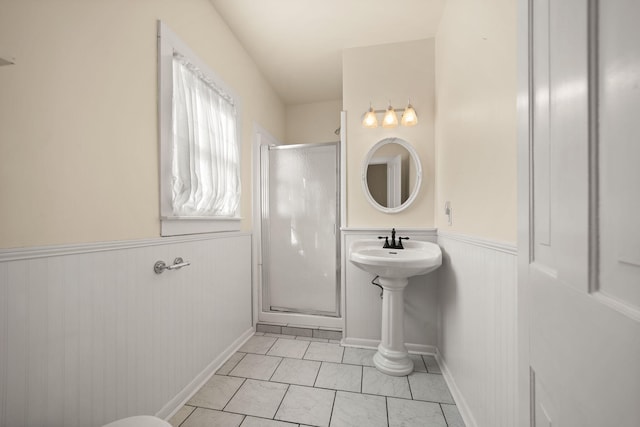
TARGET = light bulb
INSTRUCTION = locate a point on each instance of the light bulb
(390, 119)
(370, 120)
(409, 117)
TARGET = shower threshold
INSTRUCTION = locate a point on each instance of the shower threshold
(311, 332)
(300, 311)
(284, 316)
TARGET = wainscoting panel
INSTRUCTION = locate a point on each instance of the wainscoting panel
(478, 326)
(363, 306)
(90, 334)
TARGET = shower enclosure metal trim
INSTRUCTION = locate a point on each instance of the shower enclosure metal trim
(266, 238)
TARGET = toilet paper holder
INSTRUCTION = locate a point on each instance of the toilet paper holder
(178, 263)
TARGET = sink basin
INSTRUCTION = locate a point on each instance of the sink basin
(394, 267)
(415, 259)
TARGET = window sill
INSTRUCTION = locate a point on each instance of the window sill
(176, 226)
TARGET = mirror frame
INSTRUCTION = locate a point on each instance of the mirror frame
(416, 189)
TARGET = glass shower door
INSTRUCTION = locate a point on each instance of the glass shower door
(300, 246)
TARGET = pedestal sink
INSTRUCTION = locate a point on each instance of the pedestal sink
(394, 267)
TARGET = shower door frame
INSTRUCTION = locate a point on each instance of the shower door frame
(316, 318)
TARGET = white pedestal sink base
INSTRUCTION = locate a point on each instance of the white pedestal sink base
(393, 267)
(396, 363)
(392, 357)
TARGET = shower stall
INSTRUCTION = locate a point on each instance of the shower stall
(300, 245)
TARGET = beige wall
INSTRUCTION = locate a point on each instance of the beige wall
(379, 74)
(476, 118)
(313, 122)
(78, 125)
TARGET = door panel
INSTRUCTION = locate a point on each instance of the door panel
(560, 144)
(584, 335)
(619, 152)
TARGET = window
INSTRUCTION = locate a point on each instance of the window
(199, 150)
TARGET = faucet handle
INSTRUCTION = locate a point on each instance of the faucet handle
(400, 242)
(386, 242)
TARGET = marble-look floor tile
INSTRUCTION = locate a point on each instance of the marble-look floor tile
(432, 364)
(216, 392)
(306, 405)
(429, 387)
(291, 337)
(293, 330)
(357, 410)
(312, 339)
(256, 366)
(328, 334)
(337, 376)
(230, 363)
(375, 382)
(413, 413)
(258, 398)
(358, 356)
(262, 422)
(324, 352)
(452, 415)
(264, 328)
(295, 371)
(202, 417)
(258, 344)
(418, 363)
(294, 349)
(182, 414)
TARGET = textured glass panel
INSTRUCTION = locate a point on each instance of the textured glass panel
(302, 220)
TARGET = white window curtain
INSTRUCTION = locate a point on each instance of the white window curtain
(205, 165)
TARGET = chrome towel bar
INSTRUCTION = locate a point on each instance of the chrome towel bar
(178, 263)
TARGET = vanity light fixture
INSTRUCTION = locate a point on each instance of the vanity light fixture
(390, 118)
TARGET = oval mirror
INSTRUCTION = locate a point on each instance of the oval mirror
(391, 175)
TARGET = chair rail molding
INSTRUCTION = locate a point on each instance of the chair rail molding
(15, 254)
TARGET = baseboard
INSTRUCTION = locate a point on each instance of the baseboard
(421, 348)
(360, 343)
(373, 344)
(461, 403)
(192, 388)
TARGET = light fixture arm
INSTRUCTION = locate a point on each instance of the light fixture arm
(397, 110)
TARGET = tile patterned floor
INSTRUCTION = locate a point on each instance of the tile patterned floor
(287, 381)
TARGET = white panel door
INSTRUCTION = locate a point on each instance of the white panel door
(581, 274)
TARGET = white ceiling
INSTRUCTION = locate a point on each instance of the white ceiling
(298, 43)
